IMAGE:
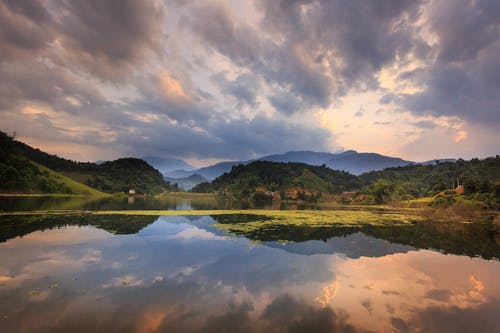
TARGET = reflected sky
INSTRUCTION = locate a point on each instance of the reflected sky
(181, 274)
(30, 203)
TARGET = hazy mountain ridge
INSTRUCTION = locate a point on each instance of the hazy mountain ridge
(304, 156)
(350, 161)
(358, 163)
(186, 183)
(179, 174)
(168, 164)
(213, 171)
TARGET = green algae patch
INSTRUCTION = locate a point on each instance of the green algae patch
(259, 224)
(304, 222)
(295, 217)
(313, 216)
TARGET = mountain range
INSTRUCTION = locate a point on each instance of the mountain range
(349, 160)
(168, 164)
(187, 183)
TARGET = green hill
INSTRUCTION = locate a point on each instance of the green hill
(26, 169)
(260, 179)
(20, 175)
(479, 181)
(71, 184)
(427, 180)
(124, 174)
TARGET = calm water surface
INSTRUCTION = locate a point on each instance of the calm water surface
(181, 274)
(30, 203)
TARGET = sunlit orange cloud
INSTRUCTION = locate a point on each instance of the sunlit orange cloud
(461, 135)
(477, 289)
(33, 111)
(74, 151)
(329, 293)
(152, 320)
(67, 236)
(478, 285)
(406, 282)
(325, 120)
(389, 77)
(4, 278)
(172, 88)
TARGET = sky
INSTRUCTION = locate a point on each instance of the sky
(208, 81)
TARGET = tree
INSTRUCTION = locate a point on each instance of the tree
(381, 191)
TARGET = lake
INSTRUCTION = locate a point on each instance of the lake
(31, 203)
(123, 273)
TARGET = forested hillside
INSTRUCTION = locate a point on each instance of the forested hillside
(261, 177)
(20, 171)
(478, 180)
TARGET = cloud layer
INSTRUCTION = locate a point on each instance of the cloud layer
(238, 79)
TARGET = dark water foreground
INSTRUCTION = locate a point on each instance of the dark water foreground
(88, 273)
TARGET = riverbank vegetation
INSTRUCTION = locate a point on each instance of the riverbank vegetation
(464, 185)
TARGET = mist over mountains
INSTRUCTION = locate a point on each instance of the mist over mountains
(168, 164)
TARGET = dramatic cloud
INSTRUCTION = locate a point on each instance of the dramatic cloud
(462, 76)
(235, 139)
(237, 79)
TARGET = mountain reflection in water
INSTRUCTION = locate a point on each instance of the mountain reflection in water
(86, 273)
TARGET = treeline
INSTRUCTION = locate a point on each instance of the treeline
(122, 175)
(479, 179)
(18, 173)
(308, 180)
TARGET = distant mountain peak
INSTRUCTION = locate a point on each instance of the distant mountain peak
(168, 164)
(347, 160)
(347, 152)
